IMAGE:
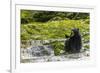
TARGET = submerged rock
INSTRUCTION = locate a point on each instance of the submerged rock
(36, 51)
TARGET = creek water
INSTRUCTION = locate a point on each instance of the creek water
(38, 52)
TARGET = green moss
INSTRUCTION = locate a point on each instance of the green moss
(57, 46)
(86, 46)
(54, 29)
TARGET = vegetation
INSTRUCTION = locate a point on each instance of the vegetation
(28, 16)
(58, 47)
(53, 29)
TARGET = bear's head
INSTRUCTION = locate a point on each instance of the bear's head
(75, 31)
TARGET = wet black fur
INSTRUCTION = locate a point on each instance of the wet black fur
(73, 44)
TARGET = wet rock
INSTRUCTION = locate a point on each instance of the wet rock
(44, 50)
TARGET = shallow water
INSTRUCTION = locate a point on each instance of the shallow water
(45, 53)
(68, 57)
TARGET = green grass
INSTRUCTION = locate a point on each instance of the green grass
(52, 29)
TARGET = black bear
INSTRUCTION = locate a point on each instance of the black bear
(74, 42)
